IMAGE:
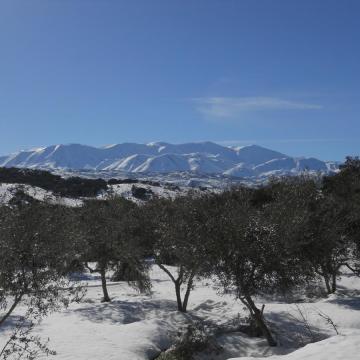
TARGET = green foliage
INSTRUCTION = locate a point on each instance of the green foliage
(180, 228)
(34, 263)
(112, 238)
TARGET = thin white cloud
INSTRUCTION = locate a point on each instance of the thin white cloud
(273, 141)
(229, 107)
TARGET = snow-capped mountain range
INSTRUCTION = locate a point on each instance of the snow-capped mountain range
(160, 157)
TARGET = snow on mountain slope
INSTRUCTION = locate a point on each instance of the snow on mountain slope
(3, 159)
(160, 157)
(285, 164)
(164, 163)
(255, 155)
(208, 164)
(312, 163)
(123, 150)
(240, 170)
(206, 147)
(57, 156)
(130, 163)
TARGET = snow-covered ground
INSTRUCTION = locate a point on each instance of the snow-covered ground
(139, 327)
(125, 191)
(7, 192)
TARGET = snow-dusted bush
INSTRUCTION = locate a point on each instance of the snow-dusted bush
(190, 341)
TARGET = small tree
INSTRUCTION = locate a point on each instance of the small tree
(111, 238)
(315, 220)
(344, 190)
(325, 211)
(33, 268)
(250, 250)
(180, 235)
(327, 245)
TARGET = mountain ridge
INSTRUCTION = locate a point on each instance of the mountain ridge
(162, 157)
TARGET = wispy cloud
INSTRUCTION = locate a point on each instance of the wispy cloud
(229, 107)
(277, 141)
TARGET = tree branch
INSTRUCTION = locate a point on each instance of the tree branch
(355, 271)
(162, 267)
(12, 308)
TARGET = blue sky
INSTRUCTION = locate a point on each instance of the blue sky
(284, 74)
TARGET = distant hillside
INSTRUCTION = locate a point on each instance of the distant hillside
(71, 187)
(40, 184)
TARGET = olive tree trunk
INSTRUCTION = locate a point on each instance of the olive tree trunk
(257, 316)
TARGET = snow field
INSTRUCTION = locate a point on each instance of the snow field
(138, 327)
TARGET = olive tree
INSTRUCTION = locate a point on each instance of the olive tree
(111, 239)
(34, 263)
(180, 233)
(250, 250)
(343, 191)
